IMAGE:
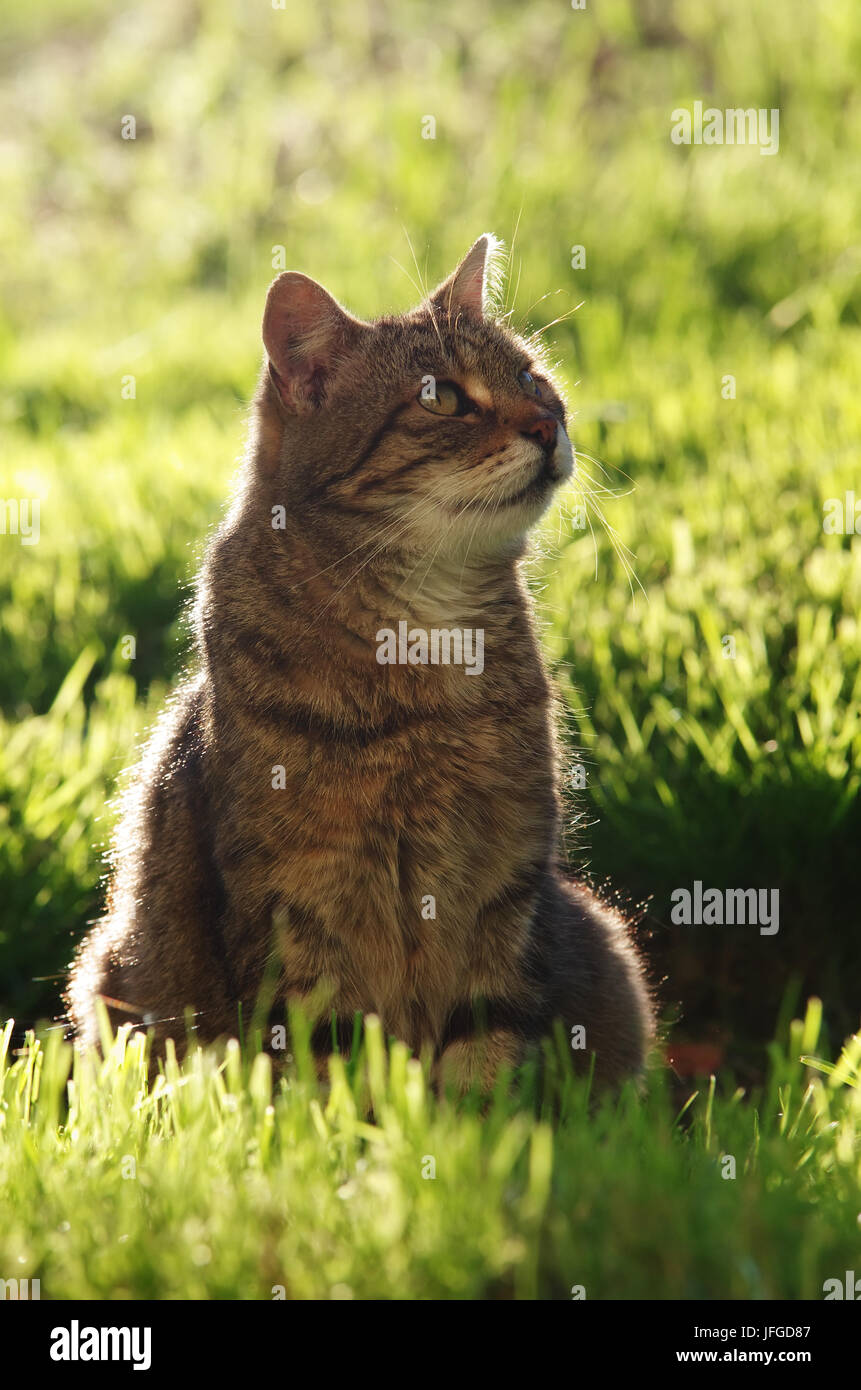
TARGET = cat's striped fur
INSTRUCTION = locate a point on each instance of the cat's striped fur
(358, 507)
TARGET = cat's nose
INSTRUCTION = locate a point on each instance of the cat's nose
(543, 430)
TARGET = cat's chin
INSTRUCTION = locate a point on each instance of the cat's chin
(537, 493)
(492, 525)
(511, 523)
(518, 513)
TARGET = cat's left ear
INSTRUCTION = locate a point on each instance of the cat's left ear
(304, 333)
(469, 289)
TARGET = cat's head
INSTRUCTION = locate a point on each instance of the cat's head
(438, 427)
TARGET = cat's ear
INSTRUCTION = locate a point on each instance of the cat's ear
(304, 332)
(470, 289)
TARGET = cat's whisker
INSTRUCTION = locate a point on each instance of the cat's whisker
(401, 527)
(422, 285)
(603, 465)
(592, 489)
(431, 308)
(545, 328)
(481, 513)
(517, 286)
(416, 287)
(411, 602)
(509, 262)
(622, 551)
(600, 487)
(594, 540)
(445, 534)
(392, 527)
(525, 317)
(535, 305)
(597, 489)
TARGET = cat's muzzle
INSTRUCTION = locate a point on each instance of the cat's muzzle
(560, 464)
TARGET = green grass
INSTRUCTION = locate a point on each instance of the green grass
(301, 128)
(151, 257)
(217, 1183)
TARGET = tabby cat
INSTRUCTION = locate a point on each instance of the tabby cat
(360, 831)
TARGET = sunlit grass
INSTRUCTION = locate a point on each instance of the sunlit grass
(220, 1181)
(301, 129)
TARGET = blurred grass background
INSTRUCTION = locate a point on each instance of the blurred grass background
(301, 128)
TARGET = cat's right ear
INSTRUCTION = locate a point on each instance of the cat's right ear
(472, 287)
(304, 332)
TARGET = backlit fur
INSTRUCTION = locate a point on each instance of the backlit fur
(402, 783)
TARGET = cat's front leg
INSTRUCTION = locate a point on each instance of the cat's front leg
(475, 1063)
(482, 1037)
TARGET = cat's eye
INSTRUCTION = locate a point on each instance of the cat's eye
(445, 398)
(529, 384)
